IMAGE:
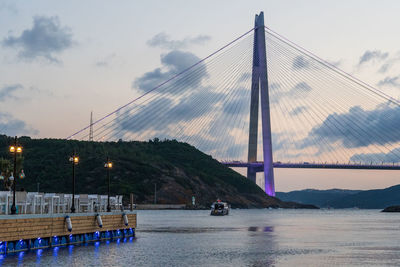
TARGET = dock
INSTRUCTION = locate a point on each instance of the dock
(37, 231)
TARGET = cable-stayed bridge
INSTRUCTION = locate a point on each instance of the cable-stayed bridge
(312, 114)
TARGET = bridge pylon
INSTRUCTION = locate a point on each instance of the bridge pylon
(259, 92)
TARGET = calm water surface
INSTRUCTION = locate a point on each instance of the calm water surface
(244, 238)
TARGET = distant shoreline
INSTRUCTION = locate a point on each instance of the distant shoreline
(200, 207)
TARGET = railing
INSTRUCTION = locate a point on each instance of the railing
(42, 203)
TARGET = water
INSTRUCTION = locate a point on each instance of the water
(244, 238)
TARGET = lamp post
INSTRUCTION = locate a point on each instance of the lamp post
(15, 149)
(155, 193)
(74, 159)
(108, 165)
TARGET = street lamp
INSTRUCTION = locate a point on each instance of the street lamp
(108, 165)
(74, 159)
(14, 149)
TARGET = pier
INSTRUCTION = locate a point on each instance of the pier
(36, 231)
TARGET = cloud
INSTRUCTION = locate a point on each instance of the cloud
(279, 141)
(10, 7)
(233, 106)
(301, 89)
(237, 103)
(245, 77)
(204, 110)
(19, 92)
(173, 63)
(164, 41)
(375, 55)
(300, 62)
(384, 68)
(367, 158)
(105, 62)
(390, 81)
(7, 91)
(12, 126)
(301, 86)
(335, 63)
(359, 127)
(181, 102)
(44, 40)
(149, 116)
(274, 86)
(298, 110)
(233, 151)
(385, 59)
(389, 63)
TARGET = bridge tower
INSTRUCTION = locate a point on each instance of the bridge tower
(259, 84)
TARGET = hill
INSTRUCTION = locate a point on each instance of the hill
(179, 171)
(338, 198)
(320, 198)
(370, 199)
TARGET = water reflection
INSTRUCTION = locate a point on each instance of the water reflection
(62, 254)
(263, 245)
(96, 249)
(261, 229)
(20, 257)
(55, 254)
(268, 229)
(70, 249)
(39, 253)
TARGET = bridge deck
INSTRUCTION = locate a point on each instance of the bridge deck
(259, 166)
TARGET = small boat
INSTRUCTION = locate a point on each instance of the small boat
(220, 208)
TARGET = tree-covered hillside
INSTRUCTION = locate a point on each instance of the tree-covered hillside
(341, 198)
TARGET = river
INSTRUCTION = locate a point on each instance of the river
(244, 238)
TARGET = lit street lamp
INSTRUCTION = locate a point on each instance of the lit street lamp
(74, 159)
(15, 149)
(108, 165)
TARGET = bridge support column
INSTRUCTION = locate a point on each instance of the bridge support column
(260, 84)
(251, 174)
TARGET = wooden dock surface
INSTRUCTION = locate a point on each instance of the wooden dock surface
(31, 226)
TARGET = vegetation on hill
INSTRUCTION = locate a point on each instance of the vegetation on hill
(320, 198)
(338, 198)
(178, 170)
(370, 199)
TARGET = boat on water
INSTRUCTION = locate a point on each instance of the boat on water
(220, 208)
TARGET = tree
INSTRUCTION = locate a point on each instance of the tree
(5, 172)
(6, 169)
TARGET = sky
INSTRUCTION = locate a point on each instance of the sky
(61, 60)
